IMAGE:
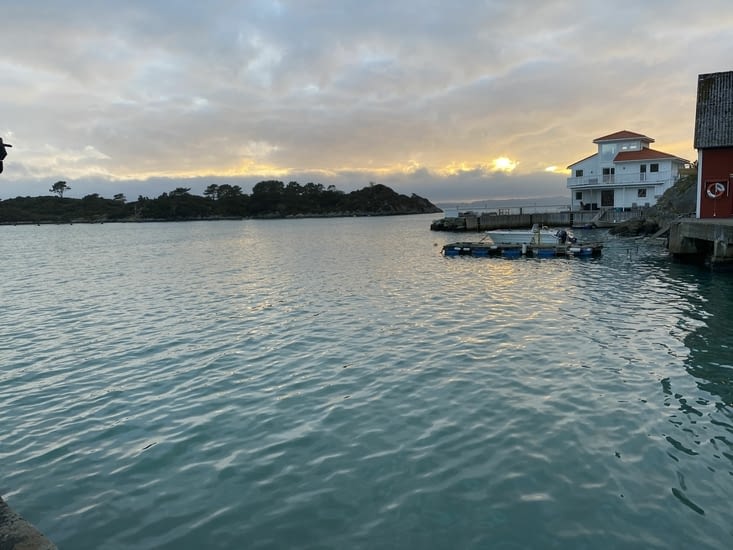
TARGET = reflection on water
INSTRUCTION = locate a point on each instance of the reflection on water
(704, 396)
(711, 344)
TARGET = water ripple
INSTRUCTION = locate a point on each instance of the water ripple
(338, 383)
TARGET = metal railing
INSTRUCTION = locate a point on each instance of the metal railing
(480, 210)
(638, 178)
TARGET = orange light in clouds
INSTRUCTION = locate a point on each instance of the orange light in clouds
(557, 170)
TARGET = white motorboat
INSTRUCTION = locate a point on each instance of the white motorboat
(536, 235)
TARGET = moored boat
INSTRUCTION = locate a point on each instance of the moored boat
(536, 235)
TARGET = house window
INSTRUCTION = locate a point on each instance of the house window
(654, 167)
(641, 193)
(578, 173)
(608, 151)
(578, 195)
(608, 174)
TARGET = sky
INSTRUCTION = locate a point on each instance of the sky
(453, 101)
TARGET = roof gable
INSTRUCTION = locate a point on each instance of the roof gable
(624, 135)
(582, 160)
(714, 112)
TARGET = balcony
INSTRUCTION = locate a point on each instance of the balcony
(623, 180)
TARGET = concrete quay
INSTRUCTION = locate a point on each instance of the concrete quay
(17, 534)
(706, 240)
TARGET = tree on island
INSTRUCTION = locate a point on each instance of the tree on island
(212, 192)
(59, 188)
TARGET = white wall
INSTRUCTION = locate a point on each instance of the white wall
(589, 167)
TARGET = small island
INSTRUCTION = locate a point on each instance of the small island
(268, 200)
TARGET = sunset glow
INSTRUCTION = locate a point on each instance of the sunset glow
(230, 94)
(503, 164)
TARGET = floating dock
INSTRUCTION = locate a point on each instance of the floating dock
(489, 249)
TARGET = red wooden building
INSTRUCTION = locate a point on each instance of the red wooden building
(714, 144)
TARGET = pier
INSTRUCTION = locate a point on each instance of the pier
(517, 218)
(708, 241)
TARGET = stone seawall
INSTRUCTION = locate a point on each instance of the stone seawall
(17, 534)
(486, 222)
(706, 240)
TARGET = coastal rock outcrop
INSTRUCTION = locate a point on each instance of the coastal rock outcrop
(677, 201)
(17, 534)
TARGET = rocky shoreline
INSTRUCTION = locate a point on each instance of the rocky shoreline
(677, 202)
(18, 534)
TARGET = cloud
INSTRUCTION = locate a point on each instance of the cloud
(146, 91)
(461, 186)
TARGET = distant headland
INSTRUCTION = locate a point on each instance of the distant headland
(268, 200)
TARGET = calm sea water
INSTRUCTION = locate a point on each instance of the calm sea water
(339, 384)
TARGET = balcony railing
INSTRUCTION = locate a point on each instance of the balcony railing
(638, 178)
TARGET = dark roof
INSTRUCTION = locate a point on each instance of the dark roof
(623, 135)
(714, 113)
(645, 154)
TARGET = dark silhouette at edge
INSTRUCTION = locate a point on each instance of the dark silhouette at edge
(3, 153)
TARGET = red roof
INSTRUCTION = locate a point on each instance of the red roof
(644, 154)
(623, 134)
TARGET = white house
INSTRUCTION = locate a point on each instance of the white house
(625, 173)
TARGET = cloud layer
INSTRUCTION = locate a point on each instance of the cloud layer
(422, 96)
